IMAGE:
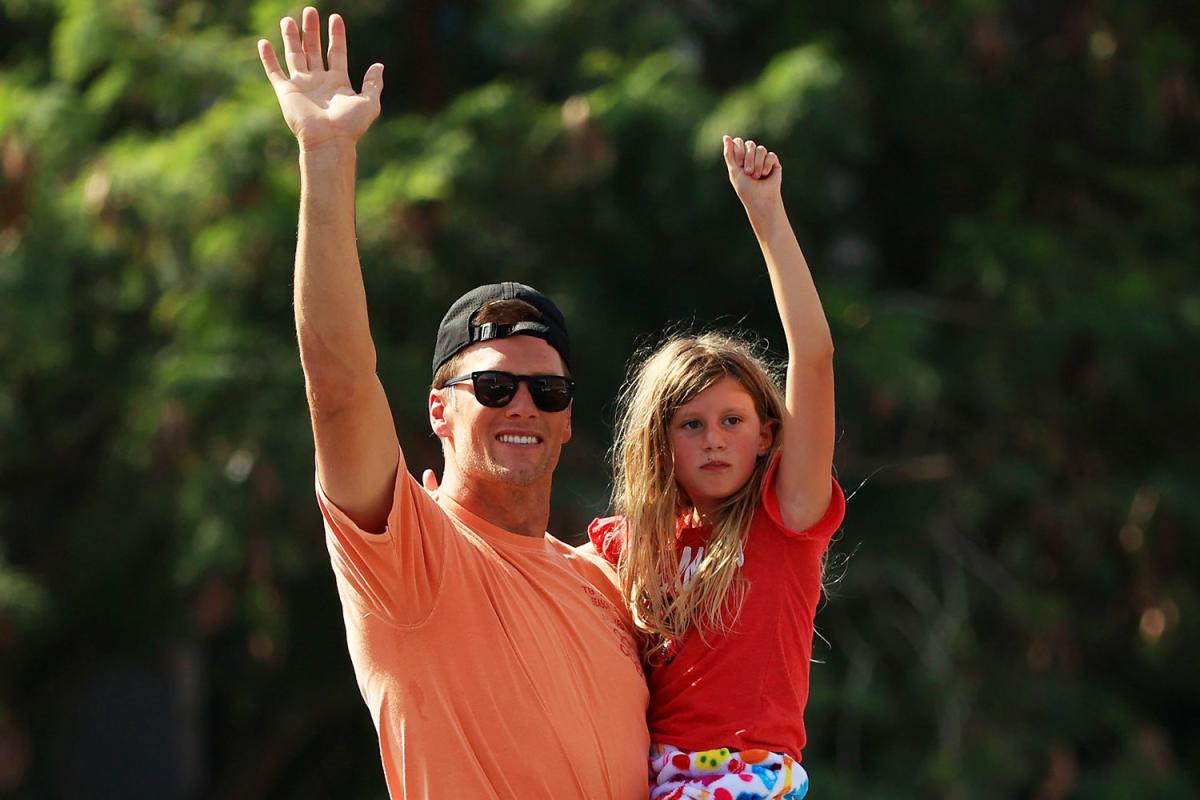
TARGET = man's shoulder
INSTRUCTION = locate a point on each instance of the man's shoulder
(587, 563)
(581, 555)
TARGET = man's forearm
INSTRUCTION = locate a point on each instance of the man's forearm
(330, 301)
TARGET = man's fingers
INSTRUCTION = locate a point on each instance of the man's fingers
(266, 54)
(373, 82)
(337, 43)
(310, 22)
(429, 481)
(293, 50)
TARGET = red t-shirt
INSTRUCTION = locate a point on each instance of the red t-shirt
(746, 689)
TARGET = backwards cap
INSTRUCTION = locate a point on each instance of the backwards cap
(457, 331)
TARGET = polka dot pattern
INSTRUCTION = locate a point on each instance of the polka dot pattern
(722, 774)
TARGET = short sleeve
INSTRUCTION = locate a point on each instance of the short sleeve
(607, 535)
(822, 529)
(397, 573)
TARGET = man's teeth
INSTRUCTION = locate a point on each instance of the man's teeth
(511, 439)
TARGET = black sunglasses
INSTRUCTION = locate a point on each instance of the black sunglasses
(496, 389)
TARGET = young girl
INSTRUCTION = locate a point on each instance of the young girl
(725, 506)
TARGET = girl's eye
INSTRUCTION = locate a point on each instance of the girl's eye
(732, 420)
(691, 424)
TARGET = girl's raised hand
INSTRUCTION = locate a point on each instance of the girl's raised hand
(755, 173)
(319, 104)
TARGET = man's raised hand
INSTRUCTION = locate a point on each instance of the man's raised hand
(318, 103)
(755, 173)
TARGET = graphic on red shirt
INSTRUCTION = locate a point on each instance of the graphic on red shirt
(689, 561)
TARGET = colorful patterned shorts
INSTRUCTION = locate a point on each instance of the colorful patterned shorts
(724, 775)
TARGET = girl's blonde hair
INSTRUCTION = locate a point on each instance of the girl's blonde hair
(646, 494)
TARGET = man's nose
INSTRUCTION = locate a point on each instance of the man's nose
(522, 403)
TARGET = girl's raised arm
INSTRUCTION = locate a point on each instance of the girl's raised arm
(803, 481)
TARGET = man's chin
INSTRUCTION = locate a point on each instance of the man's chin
(514, 474)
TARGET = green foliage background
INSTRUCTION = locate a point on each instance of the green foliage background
(1000, 201)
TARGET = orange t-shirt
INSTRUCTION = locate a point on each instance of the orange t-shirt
(494, 665)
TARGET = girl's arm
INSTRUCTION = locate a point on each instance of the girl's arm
(803, 479)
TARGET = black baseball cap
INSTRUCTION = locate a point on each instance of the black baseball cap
(457, 330)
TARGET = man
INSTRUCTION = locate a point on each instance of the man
(495, 661)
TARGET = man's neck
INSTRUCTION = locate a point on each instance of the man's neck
(520, 509)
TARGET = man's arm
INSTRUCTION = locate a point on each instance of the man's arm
(803, 480)
(356, 445)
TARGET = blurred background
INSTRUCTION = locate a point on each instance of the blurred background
(1000, 201)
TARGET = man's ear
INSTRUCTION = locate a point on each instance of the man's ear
(567, 430)
(438, 408)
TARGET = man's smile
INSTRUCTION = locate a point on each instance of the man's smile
(524, 439)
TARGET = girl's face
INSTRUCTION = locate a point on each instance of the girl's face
(716, 439)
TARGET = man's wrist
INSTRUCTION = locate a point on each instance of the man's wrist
(330, 151)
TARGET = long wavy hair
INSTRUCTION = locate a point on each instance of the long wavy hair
(646, 494)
